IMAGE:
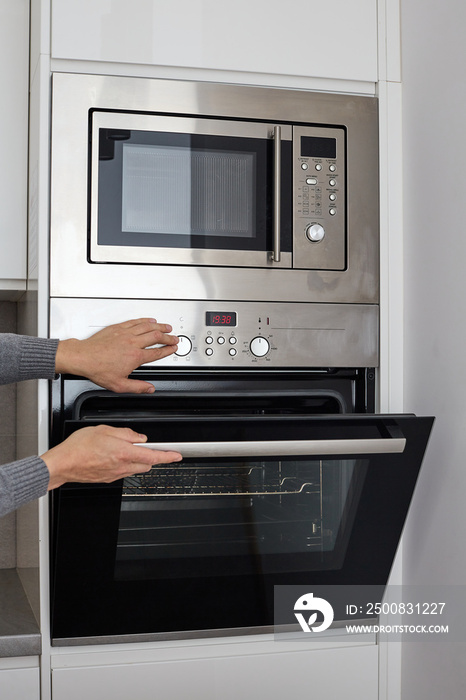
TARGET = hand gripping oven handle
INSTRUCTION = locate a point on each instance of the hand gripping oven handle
(282, 448)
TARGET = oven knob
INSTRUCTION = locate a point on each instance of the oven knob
(259, 346)
(184, 346)
(315, 232)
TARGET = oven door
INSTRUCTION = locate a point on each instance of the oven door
(178, 190)
(196, 547)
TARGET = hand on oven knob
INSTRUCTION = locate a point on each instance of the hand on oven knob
(315, 232)
(259, 346)
(184, 346)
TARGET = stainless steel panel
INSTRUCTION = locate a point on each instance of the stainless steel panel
(72, 275)
(297, 335)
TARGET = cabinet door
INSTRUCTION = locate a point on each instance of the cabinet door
(337, 673)
(19, 684)
(300, 37)
(14, 55)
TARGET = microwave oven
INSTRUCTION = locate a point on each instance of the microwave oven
(179, 190)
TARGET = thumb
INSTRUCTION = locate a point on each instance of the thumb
(136, 386)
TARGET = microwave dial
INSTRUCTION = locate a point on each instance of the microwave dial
(315, 233)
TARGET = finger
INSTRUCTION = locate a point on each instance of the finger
(133, 386)
(153, 334)
(163, 457)
(135, 321)
(148, 326)
(126, 434)
(144, 455)
(154, 354)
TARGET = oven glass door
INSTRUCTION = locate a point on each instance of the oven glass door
(199, 545)
(189, 191)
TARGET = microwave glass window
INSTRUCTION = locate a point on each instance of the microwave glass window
(183, 191)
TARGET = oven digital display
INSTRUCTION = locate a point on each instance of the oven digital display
(220, 318)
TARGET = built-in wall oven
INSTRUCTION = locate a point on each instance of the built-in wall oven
(248, 219)
(278, 486)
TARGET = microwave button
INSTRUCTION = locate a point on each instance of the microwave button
(220, 339)
(332, 197)
(209, 340)
(209, 352)
(332, 168)
(232, 340)
(332, 211)
(315, 233)
(232, 351)
(332, 182)
(318, 166)
(184, 346)
(311, 181)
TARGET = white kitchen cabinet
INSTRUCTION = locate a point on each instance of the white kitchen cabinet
(300, 37)
(19, 683)
(14, 76)
(335, 673)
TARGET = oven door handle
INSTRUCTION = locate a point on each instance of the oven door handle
(289, 448)
(277, 140)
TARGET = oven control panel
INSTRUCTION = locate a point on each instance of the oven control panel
(239, 335)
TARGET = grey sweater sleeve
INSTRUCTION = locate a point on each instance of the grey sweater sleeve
(21, 482)
(24, 357)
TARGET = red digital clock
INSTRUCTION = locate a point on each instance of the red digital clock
(220, 318)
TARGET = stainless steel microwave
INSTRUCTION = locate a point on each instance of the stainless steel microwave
(190, 191)
(171, 189)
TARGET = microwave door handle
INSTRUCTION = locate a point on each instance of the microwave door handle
(277, 139)
(290, 448)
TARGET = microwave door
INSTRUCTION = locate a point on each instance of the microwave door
(176, 190)
(198, 546)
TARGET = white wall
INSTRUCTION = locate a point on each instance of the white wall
(434, 146)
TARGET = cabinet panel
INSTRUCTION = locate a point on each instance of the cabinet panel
(14, 53)
(272, 676)
(300, 37)
(19, 684)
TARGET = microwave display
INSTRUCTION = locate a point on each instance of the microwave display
(318, 147)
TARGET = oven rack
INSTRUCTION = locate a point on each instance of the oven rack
(189, 481)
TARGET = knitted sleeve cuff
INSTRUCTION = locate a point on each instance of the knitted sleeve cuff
(37, 358)
(25, 357)
(21, 482)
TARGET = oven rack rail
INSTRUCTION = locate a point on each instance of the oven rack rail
(186, 481)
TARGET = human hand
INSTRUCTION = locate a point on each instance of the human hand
(101, 454)
(111, 354)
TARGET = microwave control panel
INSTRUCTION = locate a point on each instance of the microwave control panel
(319, 198)
(237, 335)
